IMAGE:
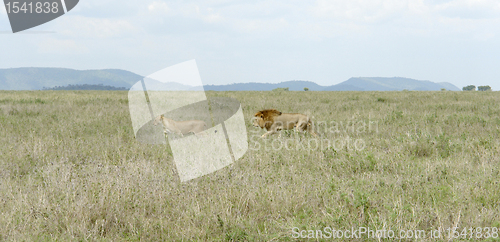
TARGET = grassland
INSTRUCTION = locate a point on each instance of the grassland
(71, 169)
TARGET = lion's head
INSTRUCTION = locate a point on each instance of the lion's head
(158, 120)
(265, 118)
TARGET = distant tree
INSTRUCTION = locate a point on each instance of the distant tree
(484, 88)
(469, 88)
(306, 89)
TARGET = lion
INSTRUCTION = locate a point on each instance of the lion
(180, 127)
(274, 120)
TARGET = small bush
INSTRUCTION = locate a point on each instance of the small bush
(469, 88)
(281, 89)
(484, 88)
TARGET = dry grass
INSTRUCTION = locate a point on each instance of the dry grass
(71, 169)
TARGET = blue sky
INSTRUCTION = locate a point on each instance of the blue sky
(326, 42)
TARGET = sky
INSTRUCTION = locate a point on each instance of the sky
(326, 42)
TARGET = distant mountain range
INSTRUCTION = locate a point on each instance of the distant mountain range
(353, 84)
(33, 78)
(389, 84)
(40, 78)
(254, 86)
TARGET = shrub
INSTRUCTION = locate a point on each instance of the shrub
(469, 88)
(484, 88)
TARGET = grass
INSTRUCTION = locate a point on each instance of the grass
(71, 169)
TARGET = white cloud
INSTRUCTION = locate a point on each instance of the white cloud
(259, 26)
(459, 18)
(468, 9)
(377, 11)
(51, 45)
(257, 17)
(158, 7)
(477, 20)
(85, 27)
(108, 8)
(360, 11)
(213, 18)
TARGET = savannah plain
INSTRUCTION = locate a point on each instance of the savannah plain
(71, 169)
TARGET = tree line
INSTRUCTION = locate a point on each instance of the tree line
(86, 87)
(479, 88)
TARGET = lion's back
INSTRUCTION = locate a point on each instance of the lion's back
(292, 117)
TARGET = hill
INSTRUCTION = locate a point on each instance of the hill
(254, 86)
(33, 78)
(353, 84)
(48, 78)
(389, 84)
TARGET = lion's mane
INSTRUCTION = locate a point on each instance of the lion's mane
(267, 116)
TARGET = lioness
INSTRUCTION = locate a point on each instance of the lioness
(274, 120)
(180, 127)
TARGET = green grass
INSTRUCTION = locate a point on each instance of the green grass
(71, 169)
